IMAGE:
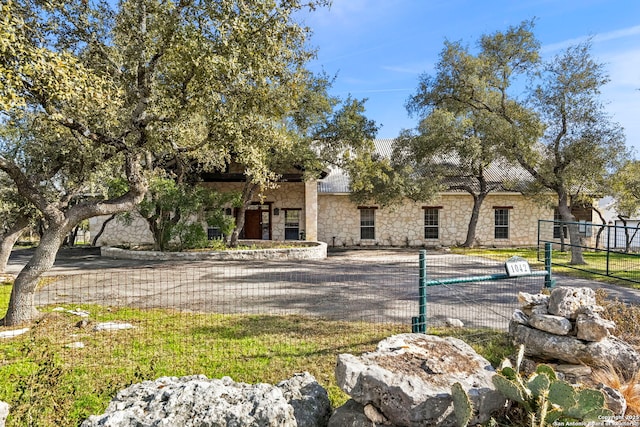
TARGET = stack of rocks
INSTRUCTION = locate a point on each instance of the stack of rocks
(407, 382)
(566, 326)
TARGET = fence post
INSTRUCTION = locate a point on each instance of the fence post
(540, 224)
(419, 323)
(548, 280)
(609, 245)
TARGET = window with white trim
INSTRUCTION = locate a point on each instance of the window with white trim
(292, 224)
(367, 224)
(501, 230)
(431, 223)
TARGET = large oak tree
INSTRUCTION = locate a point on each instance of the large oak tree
(128, 86)
(557, 130)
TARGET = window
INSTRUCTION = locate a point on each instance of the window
(214, 233)
(291, 224)
(367, 224)
(558, 225)
(431, 223)
(501, 223)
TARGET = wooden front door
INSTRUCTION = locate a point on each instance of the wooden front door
(252, 226)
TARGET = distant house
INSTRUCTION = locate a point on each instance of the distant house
(323, 211)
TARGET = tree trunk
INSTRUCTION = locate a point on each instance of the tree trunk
(21, 305)
(102, 228)
(9, 239)
(157, 231)
(473, 222)
(574, 235)
(627, 241)
(633, 236)
(600, 229)
(247, 196)
(161, 225)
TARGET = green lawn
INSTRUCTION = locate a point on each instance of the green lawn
(48, 384)
(622, 266)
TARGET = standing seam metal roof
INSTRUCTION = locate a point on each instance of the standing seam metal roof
(506, 177)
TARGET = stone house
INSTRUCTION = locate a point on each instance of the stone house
(323, 211)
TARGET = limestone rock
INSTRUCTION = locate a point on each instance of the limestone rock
(614, 352)
(454, 323)
(82, 323)
(112, 326)
(4, 413)
(574, 374)
(374, 415)
(409, 377)
(520, 317)
(539, 309)
(614, 398)
(552, 324)
(567, 302)
(350, 414)
(311, 405)
(13, 333)
(593, 327)
(529, 300)
(198, 401)
(609, 351)
(75, 344)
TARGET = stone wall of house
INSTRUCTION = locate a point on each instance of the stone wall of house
(135, 231)
(289, 195)
(339, 221)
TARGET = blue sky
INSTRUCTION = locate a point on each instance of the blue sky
(379, 48)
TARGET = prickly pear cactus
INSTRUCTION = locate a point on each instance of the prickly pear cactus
(463, 409)
(546, 399)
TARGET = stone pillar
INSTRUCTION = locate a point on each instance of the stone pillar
(311, 210)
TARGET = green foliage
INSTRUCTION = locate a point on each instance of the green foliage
(103, 89)
(542, 397)
(624, 186)
(557, 129)
(215, 215)
(545, 398)
(190, 236)
(176, 213)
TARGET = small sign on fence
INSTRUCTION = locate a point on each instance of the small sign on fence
(517, 266)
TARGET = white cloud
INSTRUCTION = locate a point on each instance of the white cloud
(623, 68)
(411, 68)
(596, 38)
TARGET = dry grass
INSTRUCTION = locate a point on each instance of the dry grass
(627, 320)
(625, 316)
(630, 389)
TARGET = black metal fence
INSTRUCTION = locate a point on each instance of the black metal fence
(606, 250)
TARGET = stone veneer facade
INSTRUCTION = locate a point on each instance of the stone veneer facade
(335, 219)
(403, 225)
(289, 195)
(118, 232)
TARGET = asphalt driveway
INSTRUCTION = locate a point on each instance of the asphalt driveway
(372, 285)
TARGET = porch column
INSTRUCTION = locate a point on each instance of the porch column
(311, 210)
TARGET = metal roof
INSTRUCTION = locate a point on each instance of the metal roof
(501, 175)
